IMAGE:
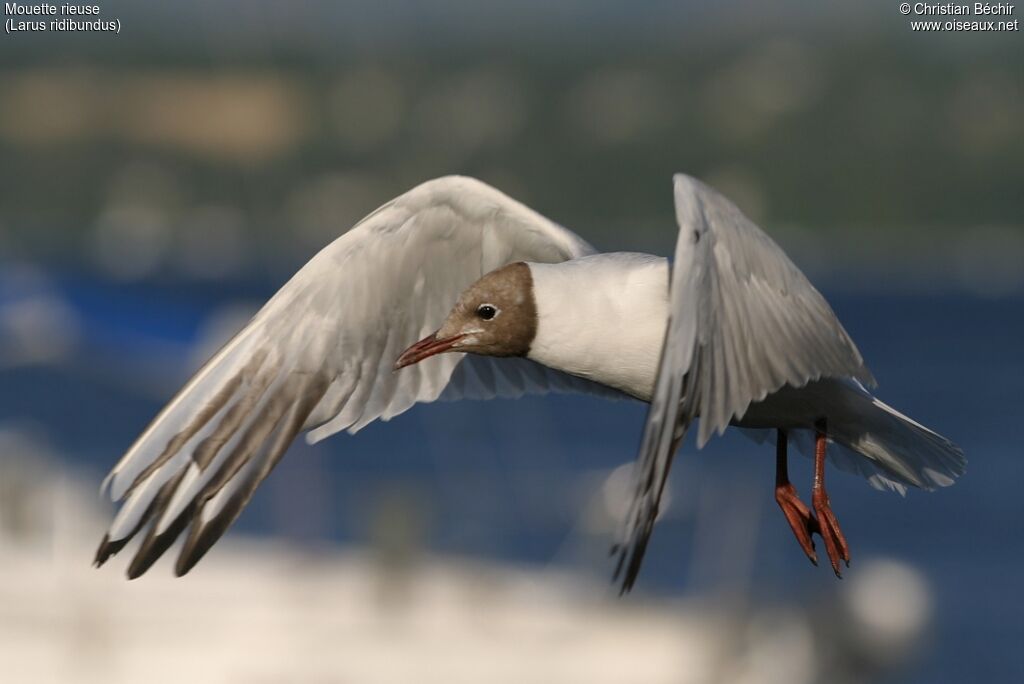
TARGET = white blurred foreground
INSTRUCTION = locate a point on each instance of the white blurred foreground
(260, 611)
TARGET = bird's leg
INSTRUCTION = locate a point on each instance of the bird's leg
(797, 514)
(828, 526)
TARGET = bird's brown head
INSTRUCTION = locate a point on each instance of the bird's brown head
(495, 316)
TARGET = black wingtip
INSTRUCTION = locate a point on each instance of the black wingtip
(617, 549)
(154, 545)
(107, 549)
(630, 565)
(200, 540)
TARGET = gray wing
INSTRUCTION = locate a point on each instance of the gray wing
(744, 321)
(319, 356)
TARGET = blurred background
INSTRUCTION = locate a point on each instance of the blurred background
(156, 186)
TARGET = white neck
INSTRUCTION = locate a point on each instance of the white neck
(603, 318)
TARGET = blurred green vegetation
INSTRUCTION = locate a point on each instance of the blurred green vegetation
(881, 144)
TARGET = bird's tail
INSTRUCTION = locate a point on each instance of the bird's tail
(889, 449)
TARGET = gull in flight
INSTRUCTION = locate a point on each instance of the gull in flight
(504, 302)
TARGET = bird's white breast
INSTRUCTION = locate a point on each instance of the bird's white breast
(603, 318)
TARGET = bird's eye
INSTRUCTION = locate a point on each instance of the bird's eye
(486, 312)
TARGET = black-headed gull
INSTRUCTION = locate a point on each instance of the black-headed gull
(731, 332)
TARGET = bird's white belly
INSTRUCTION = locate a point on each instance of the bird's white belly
(605, 321)
(603, 318)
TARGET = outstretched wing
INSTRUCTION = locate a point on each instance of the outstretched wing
(744, 321)
(319, 355)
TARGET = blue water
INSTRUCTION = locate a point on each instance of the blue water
(512, 479)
